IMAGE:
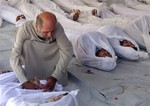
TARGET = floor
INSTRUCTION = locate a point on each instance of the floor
(127, 85)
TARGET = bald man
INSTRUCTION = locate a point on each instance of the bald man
(44, 49)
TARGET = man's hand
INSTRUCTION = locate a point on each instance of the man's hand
(49, 86)
(29, 85)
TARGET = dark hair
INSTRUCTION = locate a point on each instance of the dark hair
(121, 43)
(97, 52)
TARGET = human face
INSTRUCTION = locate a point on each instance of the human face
(46, 30)
(103, 53)
(127, 43)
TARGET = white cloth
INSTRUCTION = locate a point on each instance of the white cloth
(4, 2)
(85, 49)
(14, 2)
(147, 1)
(128, 12)
(8, 77)
(30, 10)
(68, 5)
(117, 20)
(93, 3)
(139, 30)
(47, 5)
(136, 4)
(20, 22)
(41, 99)
(9, 14)
(115, 35)
(1, 21)
(10, 87)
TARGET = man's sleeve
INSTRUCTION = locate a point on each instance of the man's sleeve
(15, 58)
(65, 52)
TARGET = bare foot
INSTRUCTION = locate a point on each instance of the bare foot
(94, 12)
(19, 17)
(75, 14)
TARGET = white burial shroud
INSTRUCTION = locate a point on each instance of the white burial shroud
(115, 35)
(85, 49)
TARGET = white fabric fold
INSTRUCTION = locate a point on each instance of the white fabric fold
(139, 31)
(85, 49)
(10, 87)
(9, 14)
(138, 5)
(115, 35)
(42, 99)
(128, 12)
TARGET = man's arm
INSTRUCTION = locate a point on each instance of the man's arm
(65, 51)
(16, 55)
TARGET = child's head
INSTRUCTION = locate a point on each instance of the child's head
(103, 53)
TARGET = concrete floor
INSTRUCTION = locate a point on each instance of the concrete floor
(7, 38)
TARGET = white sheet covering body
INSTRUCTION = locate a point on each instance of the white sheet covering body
(139, 30)
(128, 12)
(69, 5)
(115, 35)
(93, 3)
(10, 87)
(85, 49)
(117, 20)
(147, 1)
(8, 13)
(137, 4)
(1, 21)
(41, 99)
(48, 5)
(4, 2)
(30, 10)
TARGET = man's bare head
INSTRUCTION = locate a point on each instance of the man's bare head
(45, 24)
(103, 53)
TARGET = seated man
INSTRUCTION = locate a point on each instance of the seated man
(123, 45)
(93, 49)
(44, 49)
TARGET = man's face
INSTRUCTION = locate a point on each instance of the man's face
(46, 30)
(103, 53)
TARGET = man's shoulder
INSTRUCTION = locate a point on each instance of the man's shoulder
(59, 27)
(27, 26)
